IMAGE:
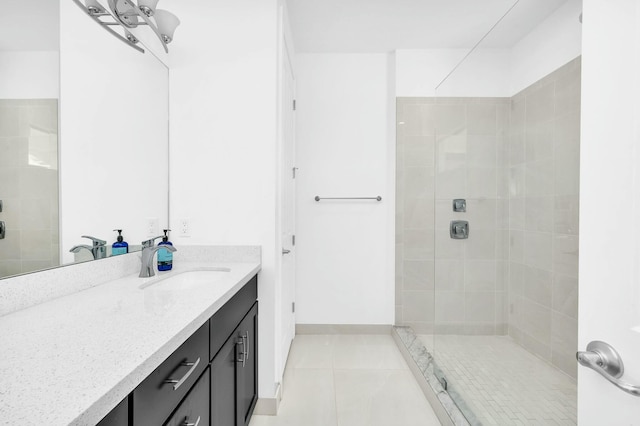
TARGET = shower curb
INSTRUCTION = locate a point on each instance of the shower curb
(422, 365)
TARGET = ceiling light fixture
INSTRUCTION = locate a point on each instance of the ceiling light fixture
(128, 15)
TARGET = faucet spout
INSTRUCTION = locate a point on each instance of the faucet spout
(148, 253)
(76, 249)
(98, 248)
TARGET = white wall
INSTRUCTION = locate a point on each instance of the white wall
(223, 139)
(29, 75)
(342, 121)
(420, 71)
(493, 72)
(553, 43)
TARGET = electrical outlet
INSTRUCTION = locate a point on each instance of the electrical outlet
(185, 227)
(153, 229)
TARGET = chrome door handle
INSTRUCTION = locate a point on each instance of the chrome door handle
(177, 383)
(604, 359)
(285, 251)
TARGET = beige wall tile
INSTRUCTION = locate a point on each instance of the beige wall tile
(480, 307)
(448, 248)
(565, 295)
(418, 306)
(482, 150)
(539, 142)
(536, 321)
(481, 244)
(540, 104)
(450, 275)
(418, 275)
(538, 250)
(450, 306)
(539, 214)
(565, 255)
(418, 244)
(480, 276)
(481, 182)
(566, 214)
(538, 286)
(482, 213)
(419, 213)
(450, 118)
(35, 245)
(539, 178)
(482, 119)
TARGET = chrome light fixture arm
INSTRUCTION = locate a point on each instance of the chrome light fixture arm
(128, 15)
(106, 25)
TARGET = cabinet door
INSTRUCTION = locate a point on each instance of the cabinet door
(194, 410)
(247, 371)
(119, 416)
(223, 384)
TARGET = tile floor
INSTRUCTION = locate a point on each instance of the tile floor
(349, 380)
(502, 383)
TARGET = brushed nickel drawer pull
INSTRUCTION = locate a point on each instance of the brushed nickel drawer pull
(246, 350)
(243, 351)
(186, 422)
(178, 383)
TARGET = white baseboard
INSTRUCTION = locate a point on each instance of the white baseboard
(269, 406)
(343, 329)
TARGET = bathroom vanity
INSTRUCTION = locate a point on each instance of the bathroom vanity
(178, 348)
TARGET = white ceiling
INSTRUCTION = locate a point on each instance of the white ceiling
(368, 26)
(30, 25)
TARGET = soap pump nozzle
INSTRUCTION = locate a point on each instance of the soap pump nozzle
(166, 236)
(119, 231)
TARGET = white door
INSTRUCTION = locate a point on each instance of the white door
(288, 203)
(610, 206)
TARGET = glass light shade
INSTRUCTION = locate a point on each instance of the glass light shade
(94, 7)
(148, 6)
(167, 23)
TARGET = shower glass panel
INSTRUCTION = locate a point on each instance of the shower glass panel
(488, 173)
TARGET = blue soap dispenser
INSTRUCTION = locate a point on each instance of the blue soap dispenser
(120, 246)
(165, 257)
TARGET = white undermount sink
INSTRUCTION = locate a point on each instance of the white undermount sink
(198, 276)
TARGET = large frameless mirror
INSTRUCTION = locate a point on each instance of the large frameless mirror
(84, 138)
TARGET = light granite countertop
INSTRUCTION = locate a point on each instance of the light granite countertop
(71, 360)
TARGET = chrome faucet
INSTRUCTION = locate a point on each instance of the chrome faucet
(148, 253)
(150, 241)
(98, 248)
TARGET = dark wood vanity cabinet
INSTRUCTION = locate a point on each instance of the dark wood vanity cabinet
(119, 416)
(210, 380)
(234, 384)
(194, 410)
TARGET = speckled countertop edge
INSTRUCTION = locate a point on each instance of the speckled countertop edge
(72, 359)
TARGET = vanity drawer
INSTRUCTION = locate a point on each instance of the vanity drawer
(194, 410)
(229, 316)
(156, 398)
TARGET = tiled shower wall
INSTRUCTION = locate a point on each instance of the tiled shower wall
(452, 148)
(516, 161)
(544, 168)
(29, 185)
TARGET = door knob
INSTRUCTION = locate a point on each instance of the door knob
(285, 251)
(605, 360)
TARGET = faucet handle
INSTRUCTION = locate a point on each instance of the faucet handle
(150, 242)
(97, 242)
